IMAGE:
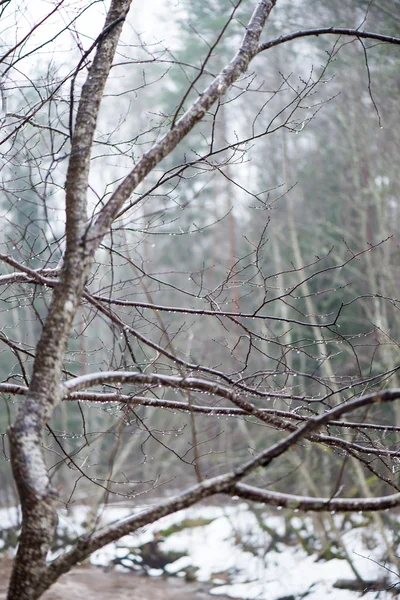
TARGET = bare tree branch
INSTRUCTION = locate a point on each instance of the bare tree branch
(328, 31)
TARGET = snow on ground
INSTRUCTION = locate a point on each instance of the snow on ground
(230, 552)
(9, 517)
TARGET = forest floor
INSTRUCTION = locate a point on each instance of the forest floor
(92, 583)
(233, 552)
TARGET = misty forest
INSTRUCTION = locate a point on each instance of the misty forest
(199, 299)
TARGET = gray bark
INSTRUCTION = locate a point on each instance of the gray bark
(38, 499)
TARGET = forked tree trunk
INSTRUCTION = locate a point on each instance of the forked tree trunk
(31, 576)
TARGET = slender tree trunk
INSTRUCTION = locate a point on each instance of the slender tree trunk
(38, 498)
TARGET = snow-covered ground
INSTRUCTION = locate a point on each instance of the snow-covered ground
(230, 549)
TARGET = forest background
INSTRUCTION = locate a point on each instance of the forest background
(262, 253)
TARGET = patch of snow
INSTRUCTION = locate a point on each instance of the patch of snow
(233, 552)
(9, 517)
